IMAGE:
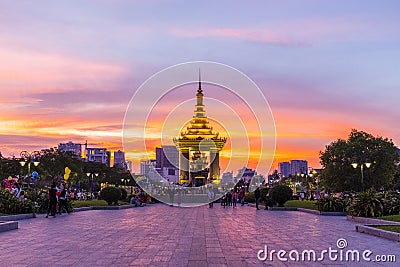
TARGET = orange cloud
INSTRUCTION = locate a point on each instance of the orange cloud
(27, 71)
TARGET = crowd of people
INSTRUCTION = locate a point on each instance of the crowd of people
(58, 198)
(139, 198)
(229, 199)
(14, 188)
(235, 196)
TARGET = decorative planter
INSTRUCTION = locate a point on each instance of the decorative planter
(323, 213)
(371, 221)
(284, 208)
(17, 217)
(371, 230)
(7, 226)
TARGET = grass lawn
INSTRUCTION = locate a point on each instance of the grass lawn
(395, 218)
(3, 214)
(92, 203)
(305, 204)
(391, 228)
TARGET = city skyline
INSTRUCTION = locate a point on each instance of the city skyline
(325, 68)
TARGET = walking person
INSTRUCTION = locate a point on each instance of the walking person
(257, 195)
(211, 197)
(52, 201)
(234, 198)
(242, 193)
(223, 201)
(210, 185)
(62, 203)
(229, 198)
(171, 192)
(179, 197)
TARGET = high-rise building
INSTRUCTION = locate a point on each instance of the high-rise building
(159, 156)
(167, 160)
(284, 169)
(98, 155)
(71, 147)
(119, 159)
(108, 163)
(167, 156)
(171, 157)
(146, 166)
(298, 166)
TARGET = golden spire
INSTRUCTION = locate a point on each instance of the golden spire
(199, 111)
(199, 127)
(199, 91)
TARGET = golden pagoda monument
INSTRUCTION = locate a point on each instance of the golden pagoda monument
(198, 145)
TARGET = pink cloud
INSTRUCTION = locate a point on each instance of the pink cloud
(26, 71)
(256, 35)
(292, 33)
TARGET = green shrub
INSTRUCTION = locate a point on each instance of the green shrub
(249, 197)
(39, 198)
(124, 194)
(332, 204)
(263, 192)
(367, 204)
(110, 194)
(9, 204)
(347, 200)
(280, 194)
(390, 201)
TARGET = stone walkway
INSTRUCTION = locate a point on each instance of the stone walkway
(159, 235)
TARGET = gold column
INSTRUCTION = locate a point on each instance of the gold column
(183, 165)
(214, 166)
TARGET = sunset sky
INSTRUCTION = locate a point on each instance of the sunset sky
(68, 70)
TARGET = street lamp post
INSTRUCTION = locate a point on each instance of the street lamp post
(355, 165)
(91, 177)
(28, 158)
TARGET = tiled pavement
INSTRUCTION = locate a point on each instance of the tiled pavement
(160, 235)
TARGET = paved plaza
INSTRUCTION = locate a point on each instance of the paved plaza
(159, 235)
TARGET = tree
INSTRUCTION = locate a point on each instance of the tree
(360, 147)
(274, 177)
(53, 163)
(9, 167)
(396, 181)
